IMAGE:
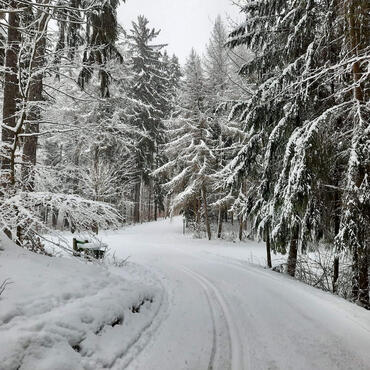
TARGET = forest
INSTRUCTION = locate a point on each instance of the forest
(266, 134)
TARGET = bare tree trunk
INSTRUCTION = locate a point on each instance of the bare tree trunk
(155, 210)
(268, 248)
(150, 190)
(11, 89)
(358, 41)
(196, 211)
(240, 228)
(363, 279)
(137, 202)
(34, 98)
(293, 251)
(219, 227)
(208, 227)
(54, 218)
(336, 231)
(141, 202)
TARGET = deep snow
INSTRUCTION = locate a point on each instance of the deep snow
(213, 308)
(65, 314)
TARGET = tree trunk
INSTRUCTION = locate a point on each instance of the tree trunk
(155, 210)
(33, 99)
(357, 39)
(2, 43)
(141, 202)
(11, 89)
(335, 274)
(219, 227)
(268, 248)
(355, 275)
(137, 202)
(336, 231)
(196, 211)
(363, 279)
(150, 190)
(293, 251)
(241, 228)
(208, 227)
(54, 217)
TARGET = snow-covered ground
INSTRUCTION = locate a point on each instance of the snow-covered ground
(225, 313)
(65, 314)
(213, 307)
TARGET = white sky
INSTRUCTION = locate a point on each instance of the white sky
(183, 23)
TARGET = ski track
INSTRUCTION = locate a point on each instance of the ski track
(236, 350)
(226, 314)
(207, 293)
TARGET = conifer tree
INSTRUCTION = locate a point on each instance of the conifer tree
(190, 148)
(149, 87)
(308, 55)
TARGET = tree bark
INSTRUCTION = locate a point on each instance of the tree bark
(293, 252)
(11, 89)
(137, 202)
(241, 228)
(358, 39)
(196, 211)
(54, 218)
(336, 231)
(33, 99)
(208, 227)
(150, 191)
(219, 226)
(155, 210)
(363, 279)
(268, 249)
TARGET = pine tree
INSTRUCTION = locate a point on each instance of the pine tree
(172, 71)
(355, 225)
(100, 38)
(306, 62)
(273, 113)
(190, 148)
(221, 89)
(148, 87)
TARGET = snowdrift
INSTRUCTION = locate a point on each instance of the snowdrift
(64, 313)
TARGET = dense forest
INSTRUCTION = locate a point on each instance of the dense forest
(267, 133)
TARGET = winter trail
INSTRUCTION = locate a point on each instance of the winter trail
(224, 313)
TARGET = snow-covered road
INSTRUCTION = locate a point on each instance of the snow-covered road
(223, 313)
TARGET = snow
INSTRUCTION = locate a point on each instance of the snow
(93, 246)
(58, 313)
(214, 306)
(226, 313)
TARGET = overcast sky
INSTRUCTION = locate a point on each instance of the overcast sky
(183, 23)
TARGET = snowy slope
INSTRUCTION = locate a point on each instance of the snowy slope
(65, 314)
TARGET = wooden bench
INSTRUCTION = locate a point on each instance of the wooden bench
(95, 250)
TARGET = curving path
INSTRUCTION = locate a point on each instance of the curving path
(225, 314)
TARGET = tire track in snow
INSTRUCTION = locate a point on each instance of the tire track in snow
(236, 350)
(213, 317)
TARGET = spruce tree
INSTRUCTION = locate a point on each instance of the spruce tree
(149, 88)
(190, 148)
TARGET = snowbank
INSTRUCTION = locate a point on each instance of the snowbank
(62, 313)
